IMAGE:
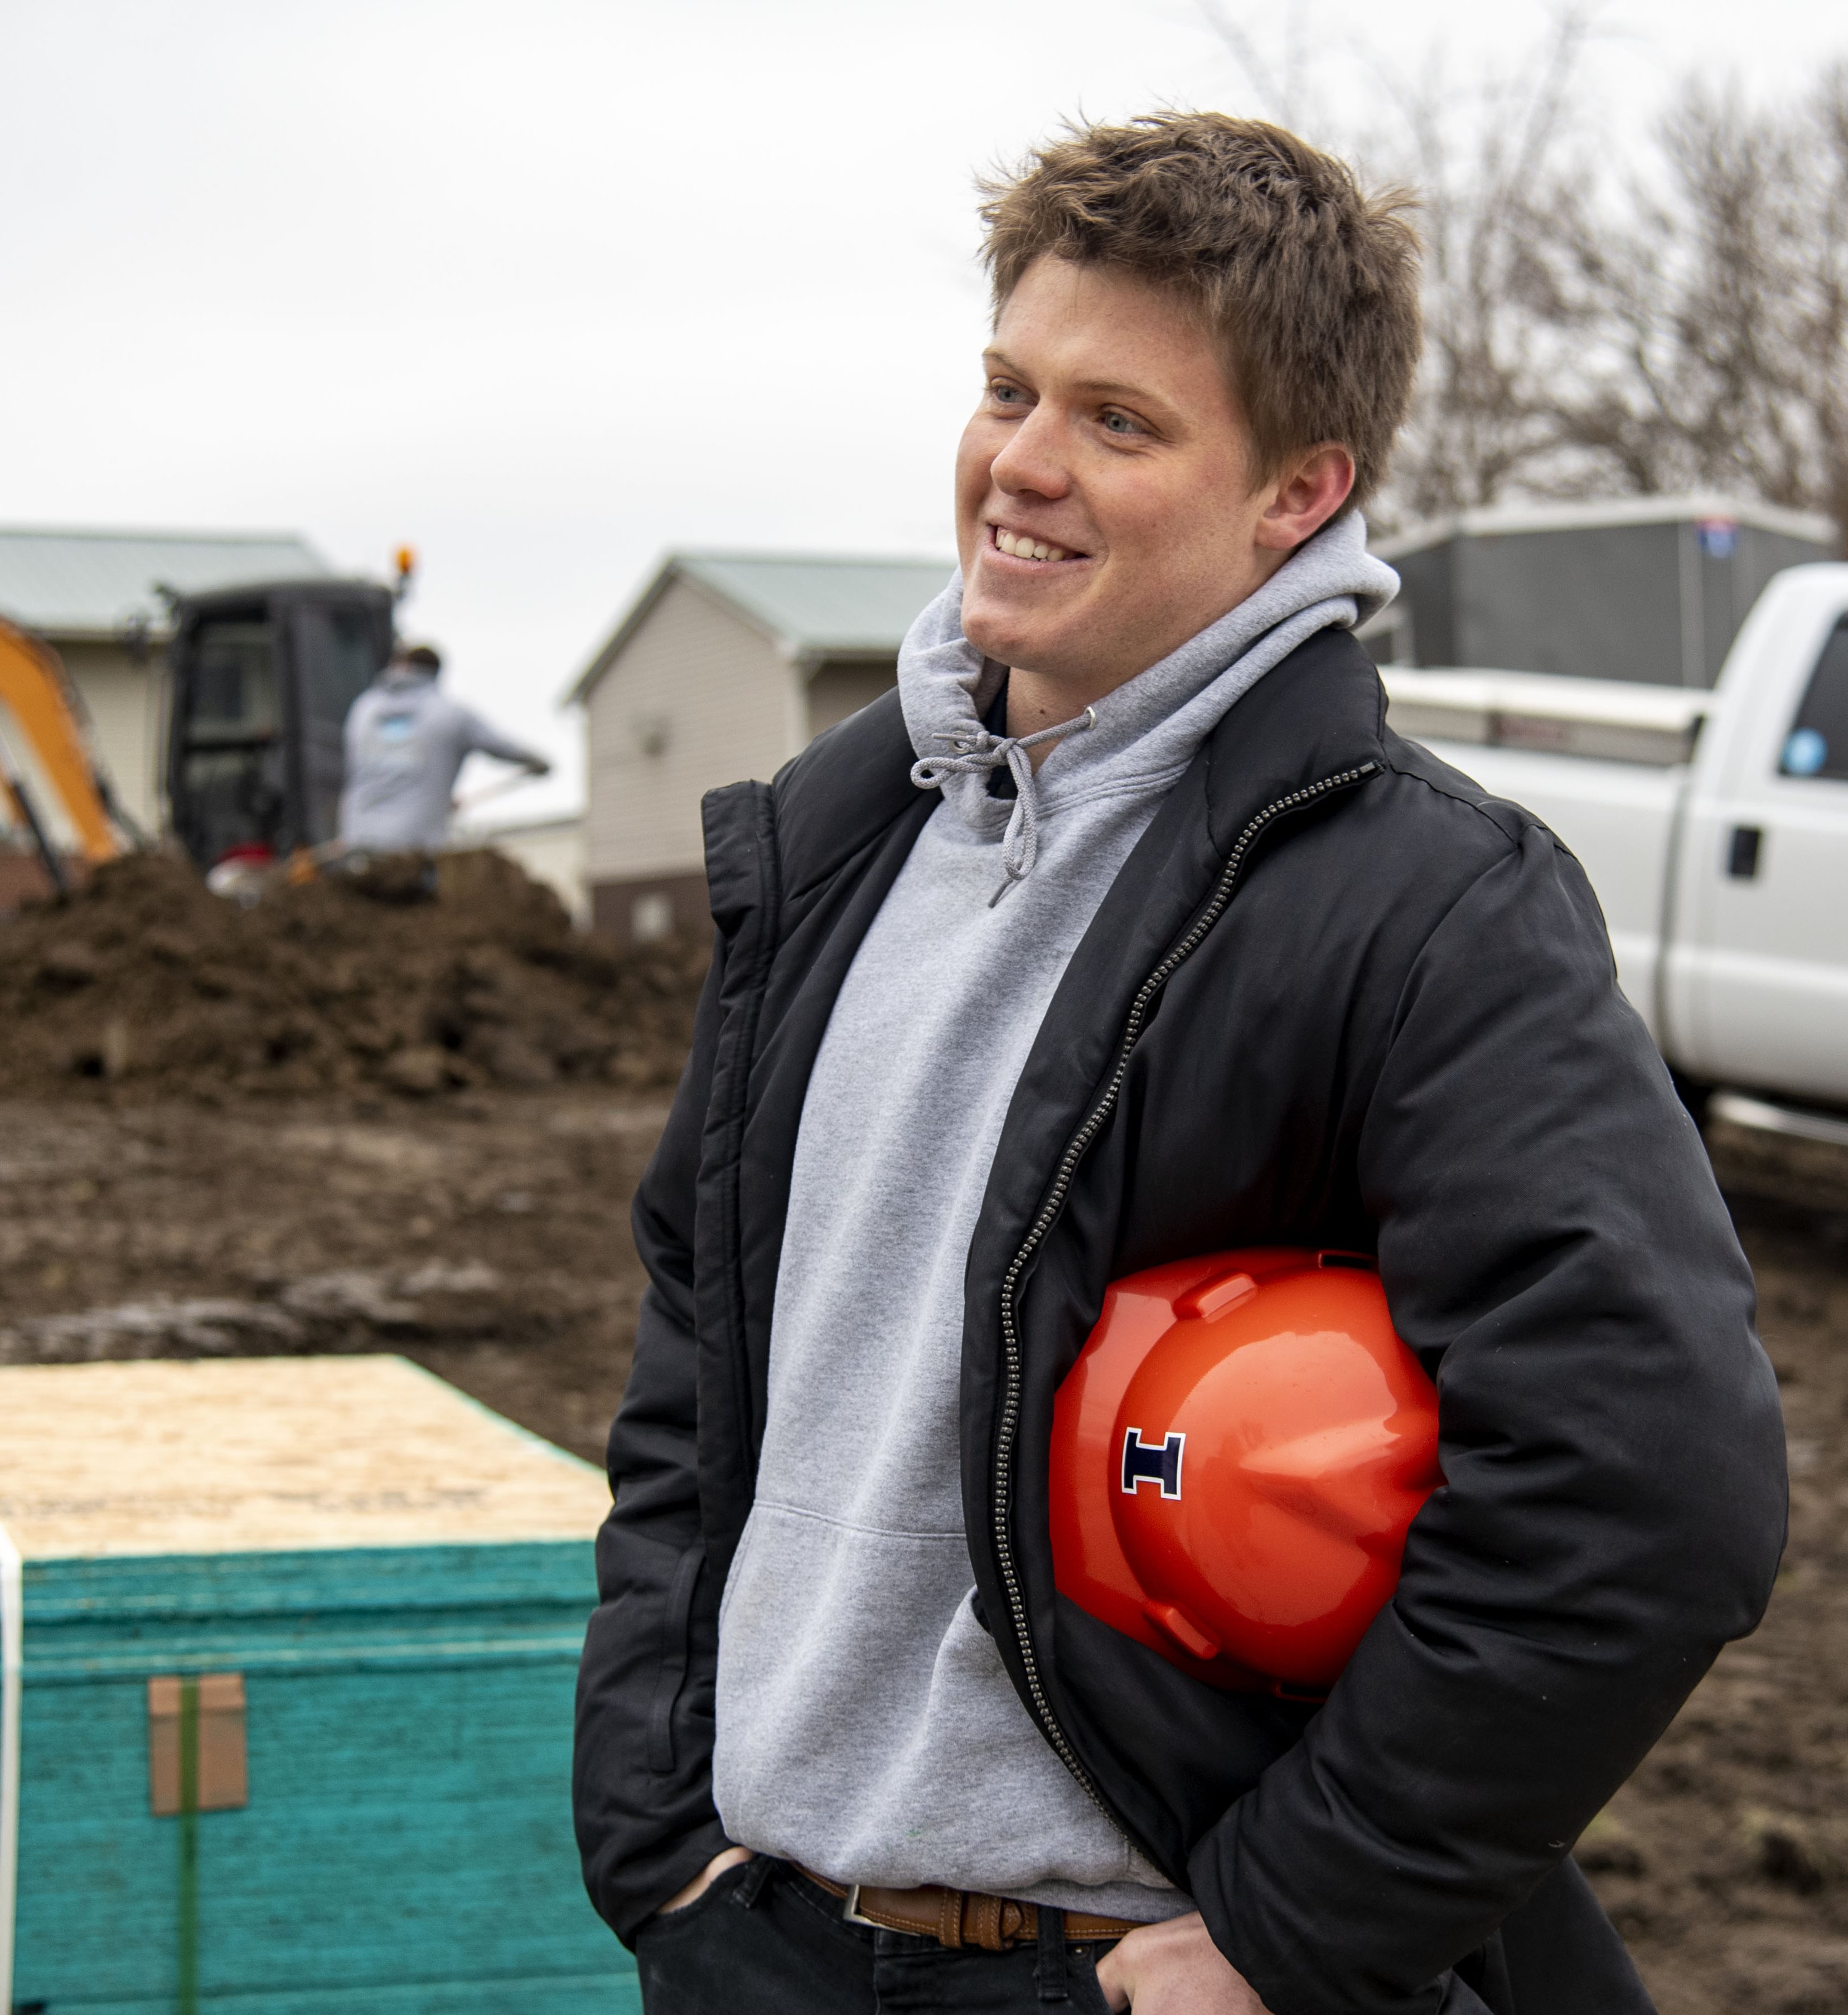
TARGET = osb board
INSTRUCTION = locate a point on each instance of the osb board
(257, 1453)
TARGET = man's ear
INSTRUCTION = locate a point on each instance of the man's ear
(1312, 486)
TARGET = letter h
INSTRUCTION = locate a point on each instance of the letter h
(1152, 1462)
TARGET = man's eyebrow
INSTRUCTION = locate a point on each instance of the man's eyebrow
(1115, 388)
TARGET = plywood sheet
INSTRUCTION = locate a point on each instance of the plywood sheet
(258, 1453)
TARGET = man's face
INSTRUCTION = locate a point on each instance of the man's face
(1105, 512)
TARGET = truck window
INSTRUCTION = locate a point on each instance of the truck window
(1818, 743)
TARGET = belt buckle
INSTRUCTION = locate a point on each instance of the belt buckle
(850, 1910)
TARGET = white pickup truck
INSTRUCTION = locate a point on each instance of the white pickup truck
(1714, 826)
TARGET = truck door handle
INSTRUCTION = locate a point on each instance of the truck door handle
(1742, 854)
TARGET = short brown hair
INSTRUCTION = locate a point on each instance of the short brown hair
(1311, 287)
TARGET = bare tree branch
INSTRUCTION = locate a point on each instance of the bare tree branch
(1716, 318)
(1587, 331)
(1282, 94)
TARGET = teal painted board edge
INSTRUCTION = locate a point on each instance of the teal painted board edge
(618, 1992)
(270, 1581)
(318, 1610)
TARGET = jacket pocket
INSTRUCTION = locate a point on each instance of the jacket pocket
(670, 1668)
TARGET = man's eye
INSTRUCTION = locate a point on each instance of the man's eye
(1007, 395)
(1120, 423)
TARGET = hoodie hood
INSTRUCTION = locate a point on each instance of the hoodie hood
(405, 677)
(1145, 732)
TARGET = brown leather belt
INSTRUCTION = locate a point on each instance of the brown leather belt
(959, 1917)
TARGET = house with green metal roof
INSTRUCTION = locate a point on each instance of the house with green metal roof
(723, 666)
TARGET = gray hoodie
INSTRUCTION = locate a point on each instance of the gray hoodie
(406, 742)
(866, 1726)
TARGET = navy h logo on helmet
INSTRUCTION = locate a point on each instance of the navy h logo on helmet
(1152, 1462)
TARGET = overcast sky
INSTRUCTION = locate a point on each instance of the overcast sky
(546, 289)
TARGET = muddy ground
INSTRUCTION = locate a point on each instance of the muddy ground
(411, 976)
(485, 1235)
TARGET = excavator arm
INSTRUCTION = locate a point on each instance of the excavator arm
(35, 702)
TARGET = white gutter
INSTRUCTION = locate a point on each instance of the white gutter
(11, 1660)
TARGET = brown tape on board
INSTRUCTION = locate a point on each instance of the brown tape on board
(223, 1777)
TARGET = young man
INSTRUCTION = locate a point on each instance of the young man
(1126, 932)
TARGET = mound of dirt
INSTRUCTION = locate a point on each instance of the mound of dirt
(144, 982)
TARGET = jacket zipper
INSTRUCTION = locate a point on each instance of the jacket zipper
(1076, 1149)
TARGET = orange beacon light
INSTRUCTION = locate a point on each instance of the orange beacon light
(1237, 1456)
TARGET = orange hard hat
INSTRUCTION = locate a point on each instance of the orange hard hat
(1237, 1456)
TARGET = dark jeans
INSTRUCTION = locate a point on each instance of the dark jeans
(765, 1940)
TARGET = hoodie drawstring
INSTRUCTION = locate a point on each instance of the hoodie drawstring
(976, 751)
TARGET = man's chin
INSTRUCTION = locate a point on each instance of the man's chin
(1010, 637)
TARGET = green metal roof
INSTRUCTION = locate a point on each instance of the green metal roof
(820, 603)
(813, 605)
(96, 584)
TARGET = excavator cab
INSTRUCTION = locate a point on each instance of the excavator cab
(262, 679)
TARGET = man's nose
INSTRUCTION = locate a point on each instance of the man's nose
(1034, 460)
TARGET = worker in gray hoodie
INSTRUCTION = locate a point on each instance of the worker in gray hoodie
(406, 742)
(1127, 931)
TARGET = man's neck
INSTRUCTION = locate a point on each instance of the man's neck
(1039, 699)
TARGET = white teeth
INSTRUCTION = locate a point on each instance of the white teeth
(1027, 549)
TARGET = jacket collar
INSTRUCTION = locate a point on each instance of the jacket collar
(1321, 711)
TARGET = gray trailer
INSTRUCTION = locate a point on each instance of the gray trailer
(1647, 589)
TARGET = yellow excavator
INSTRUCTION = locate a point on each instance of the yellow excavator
(39, 707)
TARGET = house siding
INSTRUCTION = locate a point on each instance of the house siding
(719, 694)
(127, 704)
(551, 851)
(844, 686)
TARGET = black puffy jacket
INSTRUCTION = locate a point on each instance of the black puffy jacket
(1336, 997)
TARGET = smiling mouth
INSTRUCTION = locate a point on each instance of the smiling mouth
(1019, 546)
